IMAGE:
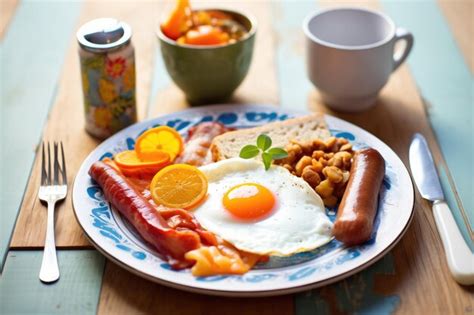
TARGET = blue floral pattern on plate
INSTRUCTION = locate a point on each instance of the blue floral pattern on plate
(102, 215)
(103, 220)
(278, 272)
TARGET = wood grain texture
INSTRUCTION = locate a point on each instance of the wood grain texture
(422, 279)
(28, 84)
(259, 86)
(446, 89)
(76, 292)
(66, 123)
(419, 279)
(460, 15)
(7, 10)
(126, 293)
(357, 294)
(294, 84)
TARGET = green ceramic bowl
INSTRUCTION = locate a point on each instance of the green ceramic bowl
(209, 74)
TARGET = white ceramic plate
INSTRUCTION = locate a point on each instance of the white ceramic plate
(117, 240)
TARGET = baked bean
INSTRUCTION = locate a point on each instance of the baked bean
(319, 145)
(342, 141)
(330, 142)
(343, 155)
(325, 188)
(318, 166)
(346, 147)
(323, 161)
(296, 148)
(333, 174)
(302, 163)
(306, 147)
(294, 153)
(329, 155)
(346, 158)
(334, 161)
(324, 165)
(317, 154)
(332, 145)
(330, 201)
(311, 176)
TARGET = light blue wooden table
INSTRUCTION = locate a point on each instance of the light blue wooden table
(436, 86)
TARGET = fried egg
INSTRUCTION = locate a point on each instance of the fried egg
(263, 212)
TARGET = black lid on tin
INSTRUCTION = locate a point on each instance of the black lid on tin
(105, 34)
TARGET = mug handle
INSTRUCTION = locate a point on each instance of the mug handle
(399, 58)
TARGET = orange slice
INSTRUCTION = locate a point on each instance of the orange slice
(179, 186)
(130, 165)
(153, 142)
(129, 159)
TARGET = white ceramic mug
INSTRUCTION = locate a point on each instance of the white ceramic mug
(350, 55)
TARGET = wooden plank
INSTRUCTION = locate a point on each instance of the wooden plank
(460, 17)
(28, 86)
(126, 293)
(67, 120)
(7, 10)
(353, 295)
(293, 81)
(76, 292)
(260, 86)
(416, 274)
(446, 83)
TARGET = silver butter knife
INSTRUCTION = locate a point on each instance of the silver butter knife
(459, 256)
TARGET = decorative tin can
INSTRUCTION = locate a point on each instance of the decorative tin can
(108, 76)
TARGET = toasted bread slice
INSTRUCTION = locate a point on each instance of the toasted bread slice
(303, 128)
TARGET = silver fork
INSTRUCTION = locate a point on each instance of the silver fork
(52, 189)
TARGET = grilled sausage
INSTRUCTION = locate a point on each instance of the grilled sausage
(358, 207)
(153, 227)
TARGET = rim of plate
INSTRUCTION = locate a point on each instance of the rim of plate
(203, 288)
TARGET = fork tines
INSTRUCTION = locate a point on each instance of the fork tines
(48, 178)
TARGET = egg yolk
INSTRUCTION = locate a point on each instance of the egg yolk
(249, 201)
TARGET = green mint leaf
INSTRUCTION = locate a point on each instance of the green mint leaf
(277, 153)
(249, 151)
(267, 160)
(264, 142)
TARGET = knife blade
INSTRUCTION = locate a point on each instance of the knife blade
(459, 257)
(423, 169)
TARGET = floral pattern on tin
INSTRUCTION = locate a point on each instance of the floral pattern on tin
(115, 66)
(108, 82)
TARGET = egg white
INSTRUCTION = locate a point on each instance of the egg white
(298, 223)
